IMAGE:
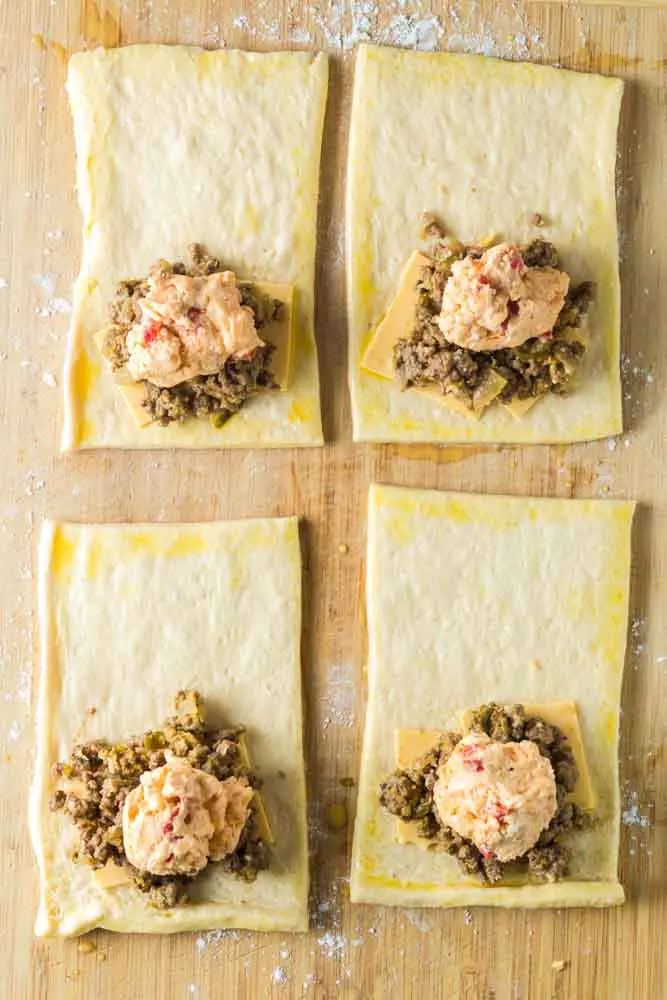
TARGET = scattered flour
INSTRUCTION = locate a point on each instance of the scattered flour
(56, 306)
(279, 976)
(408, 31)
(332, 943)
(213, 939)
(340, 697)
(638, 636)
(631, 815)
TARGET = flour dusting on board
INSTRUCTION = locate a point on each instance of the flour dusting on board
(631, 814)
(341, 696)
(343, 25)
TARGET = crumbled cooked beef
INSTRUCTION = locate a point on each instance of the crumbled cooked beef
(114, 347)
(540, 366)
(540, 253)
(98, 776)
(216, 397)
(500, 722)
(402, 795)
(548, 863)
(408, 794)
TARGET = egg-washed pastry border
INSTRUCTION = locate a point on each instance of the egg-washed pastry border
(398, 516)
(95, 413)
(83, 570)
(386, 195)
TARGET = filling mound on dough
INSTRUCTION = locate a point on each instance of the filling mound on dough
(503, 309)
(495, 797)
(177, 353)
(165, 805)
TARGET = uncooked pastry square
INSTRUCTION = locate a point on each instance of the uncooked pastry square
(485, 144)
(178, 145)
(129, 615)
(472, 599)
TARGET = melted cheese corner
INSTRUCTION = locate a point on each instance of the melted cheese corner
(398, 322)
(410, 744)
(279, 332)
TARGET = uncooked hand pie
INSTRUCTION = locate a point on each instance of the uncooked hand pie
(179, 146)
(150, 816)
(496, 630)
(511, 158)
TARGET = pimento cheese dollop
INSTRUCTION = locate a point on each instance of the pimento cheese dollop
(188, 327)
(496, 301)
(178, 818)
(498, 795)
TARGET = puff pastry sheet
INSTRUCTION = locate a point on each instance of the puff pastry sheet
(485, 144)
(478, 598)
(177, 145)
(128, 616)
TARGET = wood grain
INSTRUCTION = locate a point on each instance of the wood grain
(360, 952)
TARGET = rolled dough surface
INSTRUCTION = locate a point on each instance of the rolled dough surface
(176, 145)
(485, 144)
(130, 614)
(472, 599)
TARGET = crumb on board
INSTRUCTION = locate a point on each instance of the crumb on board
(343, 549)
(336, 816)
(87, 947)
(558, 965)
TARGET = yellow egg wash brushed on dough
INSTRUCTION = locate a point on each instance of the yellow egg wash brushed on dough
(301, 411)
(608, 728)
(94, 558)
(85, 373)
(63, 552)
(395, 883)
(587, 236)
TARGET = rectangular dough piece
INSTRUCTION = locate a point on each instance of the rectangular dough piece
(472, 599)
(177, 145)
(130, 614)
(485, 144)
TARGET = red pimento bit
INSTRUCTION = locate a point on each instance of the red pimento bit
(501, 811)
(194, 314)
(483, 280)
(472, 763)
(169, 825)
(516, 261)
(475, 765)
(152, 331)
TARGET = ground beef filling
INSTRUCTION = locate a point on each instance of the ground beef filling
(539, 366)
(408, 794)
(99, 775)
(217, 396)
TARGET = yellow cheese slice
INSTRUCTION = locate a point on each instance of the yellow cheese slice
(263, 825)
(398, 323)
(279, 332)
(519, 407)
(112, 876)
(413, 743)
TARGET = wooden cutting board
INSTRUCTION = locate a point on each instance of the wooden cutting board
(360, 952)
